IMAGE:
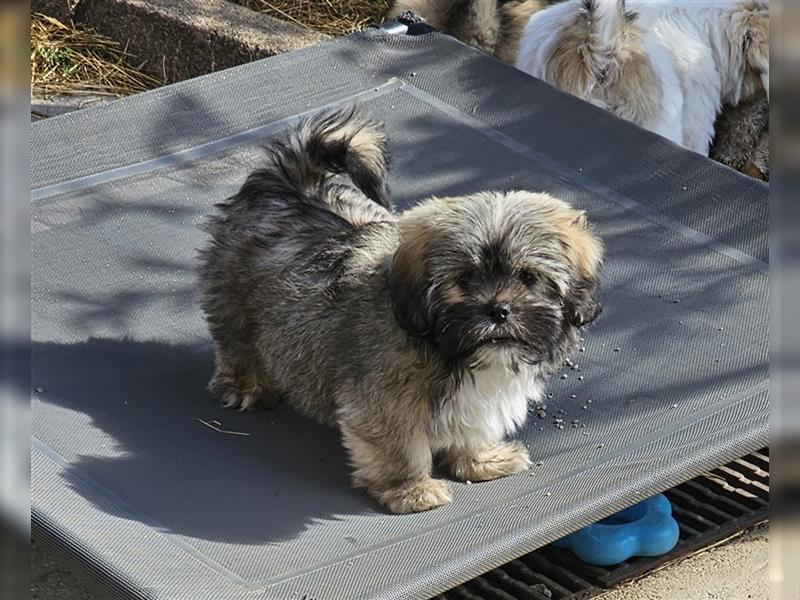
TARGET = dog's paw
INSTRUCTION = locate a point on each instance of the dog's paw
(245, 394)
(416, 496)
(504, 458)
(246, 400)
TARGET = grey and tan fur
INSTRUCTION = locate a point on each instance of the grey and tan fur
(494, 26)
(742, 137)
(420, 335)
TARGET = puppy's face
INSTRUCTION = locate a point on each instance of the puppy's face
(496, 276)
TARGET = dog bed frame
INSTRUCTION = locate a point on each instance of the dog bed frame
(139, 476)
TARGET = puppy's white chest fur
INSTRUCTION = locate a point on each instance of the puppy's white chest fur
(485, 408)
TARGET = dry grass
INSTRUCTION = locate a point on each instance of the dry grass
(334, 17)
(70, 60)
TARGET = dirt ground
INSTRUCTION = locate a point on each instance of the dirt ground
(736, 570)
(54, 578)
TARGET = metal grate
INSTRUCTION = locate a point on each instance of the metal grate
(708, 509)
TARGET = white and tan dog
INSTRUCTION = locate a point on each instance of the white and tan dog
(667, 66)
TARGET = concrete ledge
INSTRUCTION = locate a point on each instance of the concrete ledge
(53, 106)
(179, 39)
(58, 9)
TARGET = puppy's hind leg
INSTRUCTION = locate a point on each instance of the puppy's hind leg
(482, 462)
(239, 381)
(394, 467)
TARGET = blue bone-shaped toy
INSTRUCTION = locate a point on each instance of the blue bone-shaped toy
(644, 529)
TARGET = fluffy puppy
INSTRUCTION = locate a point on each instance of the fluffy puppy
(493, 26)
(420, 334)
(666, 66)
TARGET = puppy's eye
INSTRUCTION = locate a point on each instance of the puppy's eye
(526, 277)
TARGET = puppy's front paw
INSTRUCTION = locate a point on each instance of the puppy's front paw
(416, 496)
(244, 393)
(504, 458)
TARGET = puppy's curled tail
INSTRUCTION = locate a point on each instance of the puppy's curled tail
(610, 25)
(341, 142)
(582, 47)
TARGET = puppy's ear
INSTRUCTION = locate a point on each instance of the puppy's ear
(409, 281)
(582, 304)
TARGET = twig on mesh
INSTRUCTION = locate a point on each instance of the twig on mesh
(214, 425)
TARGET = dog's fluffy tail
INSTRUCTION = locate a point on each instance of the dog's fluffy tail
(606, 25)
(579, 45)
(332, 143)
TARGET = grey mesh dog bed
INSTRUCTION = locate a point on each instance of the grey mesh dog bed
(129, 481)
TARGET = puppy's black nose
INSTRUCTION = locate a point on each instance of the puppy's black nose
(499, 312)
